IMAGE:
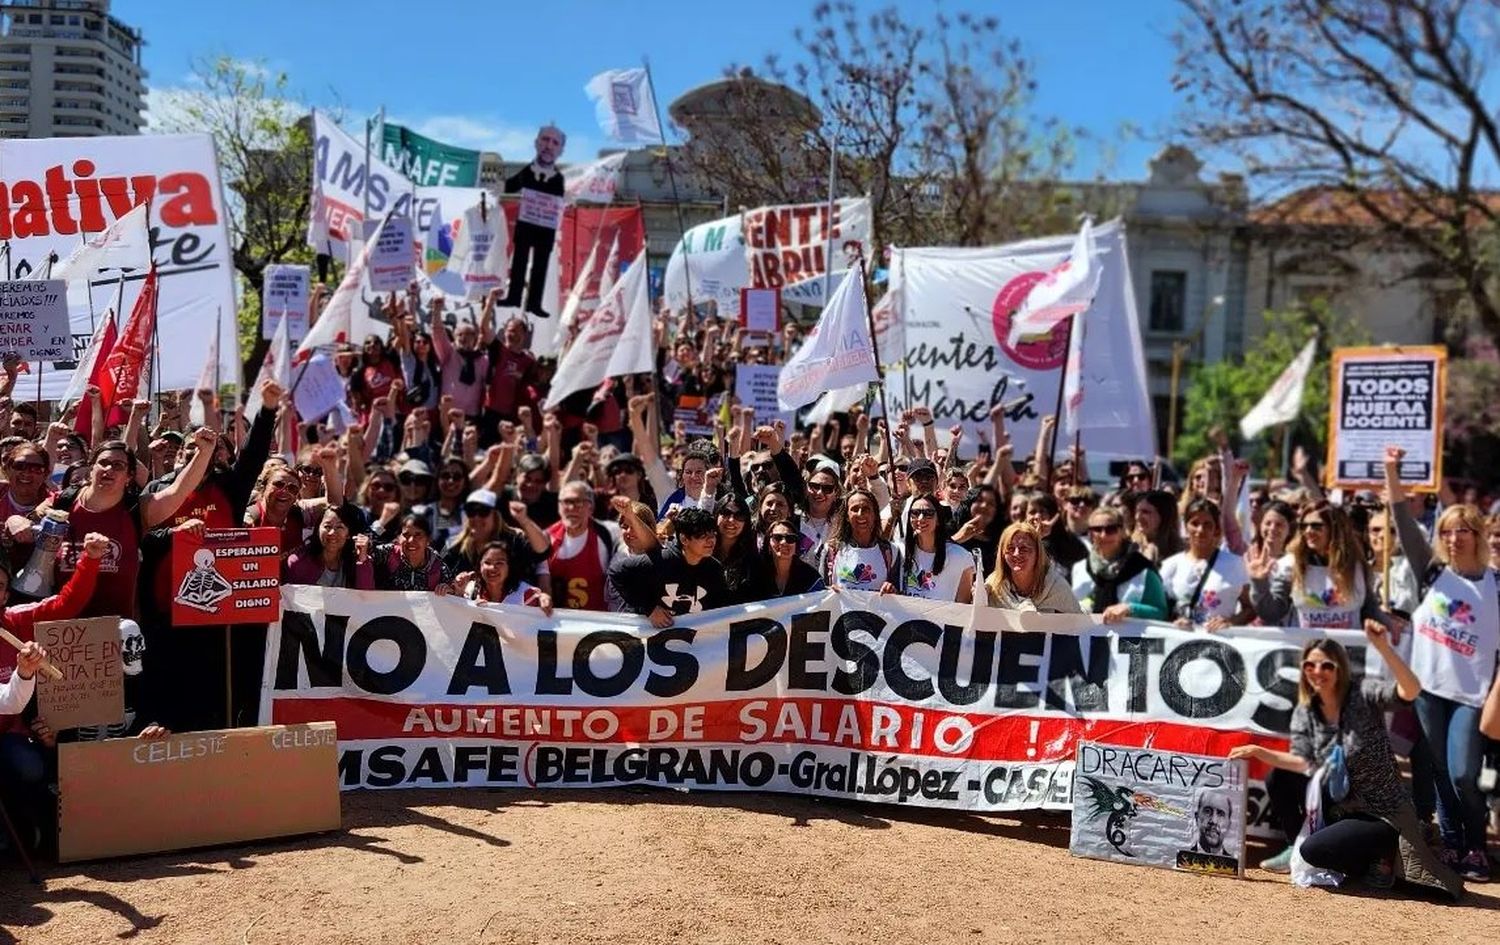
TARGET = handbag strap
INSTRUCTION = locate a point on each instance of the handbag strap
(1202, 580)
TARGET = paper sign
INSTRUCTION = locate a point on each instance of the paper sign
(1383, 397)
(755, 386)
(318, 390)
(696, 413)
(760, 310)
(126, 796)
(285, 292)
(232, 575)
(92, 690)
(34, 320)
(392, 261)
(1159, 808)
(541, 209)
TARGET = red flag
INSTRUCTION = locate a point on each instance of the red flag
(83, 424)
(127, 358)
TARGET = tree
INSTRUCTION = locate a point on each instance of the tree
(933, 121)
(264, 149)
(1224, 391)
(1380, 104)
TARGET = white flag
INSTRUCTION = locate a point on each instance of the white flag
(85, 368)
(837, 401)
(1073, 378)
(317, 219)
(197, 413)
(479, 251)
(1283, 402)
(345, 315)
(624, 106)
(124, 244)
(1067, 290)
(277, 366)
(837, 353)
(611, 267)
(596, 182)
(615, 342)
(567, 322)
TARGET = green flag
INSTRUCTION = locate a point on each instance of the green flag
(428, 162)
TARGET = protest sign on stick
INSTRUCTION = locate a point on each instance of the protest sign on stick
(285, 296)
(34, 320)
(231, 575)
(1383, 397)
(87, 653)
(392, 261)
(1159, 808)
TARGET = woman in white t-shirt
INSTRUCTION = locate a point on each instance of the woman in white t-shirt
(855, 556)
(1320, 583)
(495, 585)
(1454, 646)
(935, 568)
(1207, 585)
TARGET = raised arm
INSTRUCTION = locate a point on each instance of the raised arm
(1414, 542)
(157, 507)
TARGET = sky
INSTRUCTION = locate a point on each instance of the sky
(472, 74)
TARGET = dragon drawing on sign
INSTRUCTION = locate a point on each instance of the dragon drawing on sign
(1119, 805)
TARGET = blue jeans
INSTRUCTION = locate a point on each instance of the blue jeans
(1452, 732)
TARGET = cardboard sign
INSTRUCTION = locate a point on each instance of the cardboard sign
(539, 209)
(126, 796)
(1159, 808)
(760, 310)
(92, 690)
(392, 262)
(1383, 397)
(285, 295)
(231, 576)
(755, 386)
(34, 320)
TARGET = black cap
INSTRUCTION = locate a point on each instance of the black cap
(921, 466)
(625, 459)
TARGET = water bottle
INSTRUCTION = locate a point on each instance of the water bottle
(37, 579)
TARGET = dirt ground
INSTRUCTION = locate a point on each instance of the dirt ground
(642, 865)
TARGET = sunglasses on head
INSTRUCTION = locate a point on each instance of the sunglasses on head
(1327, 666)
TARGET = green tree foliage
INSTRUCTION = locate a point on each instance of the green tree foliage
(1216, 396)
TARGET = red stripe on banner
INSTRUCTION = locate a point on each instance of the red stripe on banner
(865, 726)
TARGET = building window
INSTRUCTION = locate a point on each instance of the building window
(1168, 300)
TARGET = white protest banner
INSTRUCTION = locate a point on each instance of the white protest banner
(838, 352)
(1282, 401)
(338, 188)
(285, 294)
(1167, 809)
(392, 261)
(480, 250)
(615, 341)
(625, 107)
(709, 260)
(852, 695)
(595, 182)
(320, 389)
(755, 386)
(785, 245)
(59, 189)
(1383, 397)
(34, 320)
(954, 306)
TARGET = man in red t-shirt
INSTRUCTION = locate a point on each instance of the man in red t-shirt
(514, 377)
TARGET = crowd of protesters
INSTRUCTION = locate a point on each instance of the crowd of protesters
(659, 495)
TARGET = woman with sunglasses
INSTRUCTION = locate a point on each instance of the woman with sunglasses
(1156, 534)
(1454, 646)
(419, 367)
(824, 499)
(1079, 505)
(1115, 579)
(782, 572)
(933, 566)
(735, 548)
(445, 511)
(280, 507)
(1372, 832)
(1207, 584)
(1321, 582)
(1024, 579)
(981, 511)
(337, 554)
(496, 583)
(1136, 478)
(484, 523)
(856, 556)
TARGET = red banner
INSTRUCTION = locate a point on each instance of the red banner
(231, 575)
(588, 230)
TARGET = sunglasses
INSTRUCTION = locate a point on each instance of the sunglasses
(740, 514)
(782, 539)
(922, 513)
(1078, 503)
(410, 479)
(26, 466)
(307, 469)
(1104, 529)
(1314, 526)
(1137, 476)
(760, 467)
(284, 486)
(822, 488)
(453, 477)
(383, 485)
(1326, 666)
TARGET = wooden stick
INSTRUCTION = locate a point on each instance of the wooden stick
(52, 671)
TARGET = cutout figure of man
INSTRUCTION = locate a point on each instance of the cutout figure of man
(540, 185)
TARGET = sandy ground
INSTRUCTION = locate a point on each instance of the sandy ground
(654, 866)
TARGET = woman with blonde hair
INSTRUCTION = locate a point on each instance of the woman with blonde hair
(1024, 578)
(1454, 645)
(1321, 581)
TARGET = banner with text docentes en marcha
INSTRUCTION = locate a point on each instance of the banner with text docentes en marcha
(847, 695)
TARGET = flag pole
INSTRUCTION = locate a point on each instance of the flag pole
(1062, 386)
(369, 135)
(661, 128)
(833, 170)
(890, 450)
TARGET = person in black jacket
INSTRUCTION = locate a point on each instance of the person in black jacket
(680, 577)
(541, 187)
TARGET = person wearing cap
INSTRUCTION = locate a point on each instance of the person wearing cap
(921, 480)
(416, 480)
(678, 578)
(483, 524)
(627, 479)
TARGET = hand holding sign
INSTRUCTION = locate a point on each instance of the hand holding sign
(29, 659)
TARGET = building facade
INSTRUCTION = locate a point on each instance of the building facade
(67, 69)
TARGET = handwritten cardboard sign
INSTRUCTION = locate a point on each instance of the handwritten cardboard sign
(34, 320)
(232, 575)
(92, 690)
(126, 796)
